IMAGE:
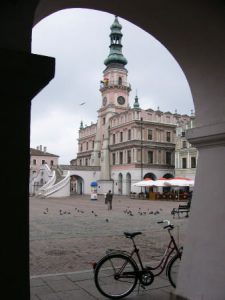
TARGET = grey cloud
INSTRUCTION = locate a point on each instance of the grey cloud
(79, 39)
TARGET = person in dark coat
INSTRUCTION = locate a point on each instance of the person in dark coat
(109, 197)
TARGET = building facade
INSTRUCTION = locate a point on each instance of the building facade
(127, 143)
(42, 164)
(40, 156)
(186, 155)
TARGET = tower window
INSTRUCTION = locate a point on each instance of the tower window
(184, 144)
(129, 135)
(121, 136)
(34, 162)
(168, 136)
(113, 158)
(193, 162)
(168, 158)
(121, 158)
(114, 139)
(120, 81)
(128, 156)
(184, 162)
(150, 157)
(149, 134)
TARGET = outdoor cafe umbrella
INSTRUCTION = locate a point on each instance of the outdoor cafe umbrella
(143, 183)
(149, 182)
(179, 181)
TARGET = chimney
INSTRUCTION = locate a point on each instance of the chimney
(40, 147)
(45, 149)
(37, 147)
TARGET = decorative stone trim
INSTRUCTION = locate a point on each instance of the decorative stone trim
(207, 136)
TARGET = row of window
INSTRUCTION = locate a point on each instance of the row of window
(42, 162)
(153, 117)
(150, 157)
(87, 146)
(149, 136)
(119, 138)
(193, 162)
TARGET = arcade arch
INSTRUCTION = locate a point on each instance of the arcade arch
(128, 183)
(150, 175)
(168, 175)
(76, 185)
(120, 184)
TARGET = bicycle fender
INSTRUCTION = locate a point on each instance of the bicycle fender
(115, 251)
(168, 264)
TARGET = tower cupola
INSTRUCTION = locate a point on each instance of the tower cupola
(115, 55)
(136, 103)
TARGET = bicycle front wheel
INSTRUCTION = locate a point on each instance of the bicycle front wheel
(173, 269)
(116, 276)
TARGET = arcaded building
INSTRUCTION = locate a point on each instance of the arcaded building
(127, 143)
(186, 155)
(193, 31)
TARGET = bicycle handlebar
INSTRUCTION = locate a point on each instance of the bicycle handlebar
(169, 225)
(164, 221)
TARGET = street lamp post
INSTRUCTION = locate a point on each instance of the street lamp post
(141, 151)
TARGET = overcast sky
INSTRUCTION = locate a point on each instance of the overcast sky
(79, 40)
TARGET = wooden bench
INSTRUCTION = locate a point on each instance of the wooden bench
(182, 208)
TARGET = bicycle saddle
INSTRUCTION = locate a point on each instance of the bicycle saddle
(131, 234)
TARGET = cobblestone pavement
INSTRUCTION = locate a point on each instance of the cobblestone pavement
(68, 234)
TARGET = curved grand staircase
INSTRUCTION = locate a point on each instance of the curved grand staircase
(60, 187)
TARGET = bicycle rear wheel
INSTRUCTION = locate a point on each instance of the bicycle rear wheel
(116, 276)
(173, 269)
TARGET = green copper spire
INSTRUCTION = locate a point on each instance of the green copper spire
(81, 125)
(115, 55)
(136, 103)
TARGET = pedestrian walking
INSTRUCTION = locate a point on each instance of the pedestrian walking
(109, 197)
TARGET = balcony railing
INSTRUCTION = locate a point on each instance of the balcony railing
(114, 83)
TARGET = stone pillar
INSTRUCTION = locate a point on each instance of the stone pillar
(23, 75)
(202, 270)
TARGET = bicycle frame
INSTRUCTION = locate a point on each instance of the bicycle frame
(172, 246)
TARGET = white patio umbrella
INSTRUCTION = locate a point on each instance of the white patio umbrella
(150, 182)
(179, 181)
(143, 183)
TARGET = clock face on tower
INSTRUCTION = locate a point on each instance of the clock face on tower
(104, 101)
(121, 100)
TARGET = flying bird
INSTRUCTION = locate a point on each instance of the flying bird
(82, 103)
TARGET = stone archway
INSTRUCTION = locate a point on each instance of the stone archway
(150, 175)
(76, 185)
(194, 34)
(168, 175)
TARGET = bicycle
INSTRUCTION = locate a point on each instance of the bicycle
(117, 273)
